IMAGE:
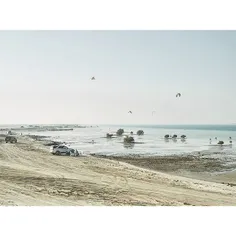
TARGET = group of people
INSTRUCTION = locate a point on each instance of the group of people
(221, 142)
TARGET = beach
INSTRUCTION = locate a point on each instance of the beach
(31, 176)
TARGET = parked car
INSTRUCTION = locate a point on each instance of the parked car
(60, 149)
(10, 139)
(63, 150)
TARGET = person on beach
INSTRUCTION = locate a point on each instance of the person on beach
(72, 152)
(210, 140)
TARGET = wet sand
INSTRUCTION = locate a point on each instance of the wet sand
(31, 176)
(202, 168)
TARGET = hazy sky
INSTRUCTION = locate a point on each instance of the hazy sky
(45, 77)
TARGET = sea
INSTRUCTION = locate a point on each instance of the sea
(152, 143)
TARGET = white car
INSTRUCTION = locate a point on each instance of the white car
(60, 150)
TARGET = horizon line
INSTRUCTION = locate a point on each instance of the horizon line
(87, 124)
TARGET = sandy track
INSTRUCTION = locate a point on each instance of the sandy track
(29, 175)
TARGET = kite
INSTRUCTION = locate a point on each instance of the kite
(178, 95)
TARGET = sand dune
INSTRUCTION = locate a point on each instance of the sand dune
(31, 176)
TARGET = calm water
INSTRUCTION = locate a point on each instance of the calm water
(152, 143)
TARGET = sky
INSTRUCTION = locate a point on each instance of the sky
(45, 77)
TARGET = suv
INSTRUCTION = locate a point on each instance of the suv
(59, 150)
(10, 139)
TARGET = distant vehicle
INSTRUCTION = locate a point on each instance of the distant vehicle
(10, 139)
(63, 150)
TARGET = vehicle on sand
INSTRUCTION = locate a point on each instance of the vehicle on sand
(63, 150)
(11, 139)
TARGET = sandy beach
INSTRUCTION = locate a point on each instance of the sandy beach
(31, 176)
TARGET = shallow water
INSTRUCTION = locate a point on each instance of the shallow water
(152, 143)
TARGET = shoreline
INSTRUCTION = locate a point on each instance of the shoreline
(188, 164)
(197, 162)
(31, 176)
(210, 169)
